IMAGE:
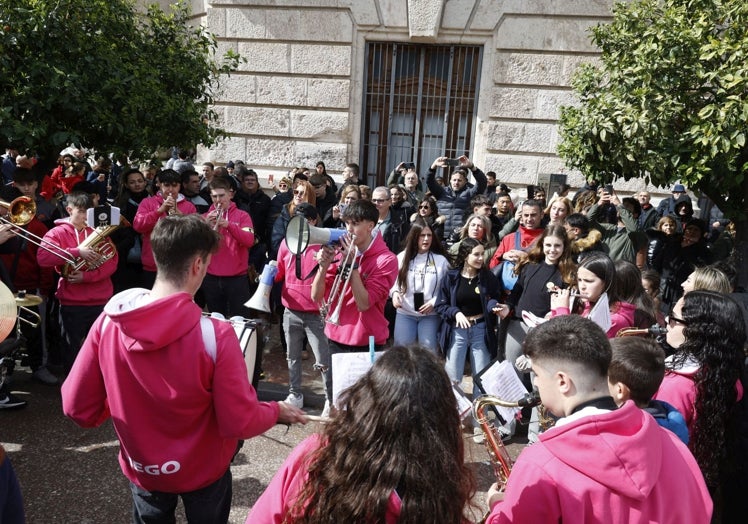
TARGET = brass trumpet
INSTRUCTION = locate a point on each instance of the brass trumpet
(340, 286)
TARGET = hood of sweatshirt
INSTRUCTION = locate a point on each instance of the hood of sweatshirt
(133, 311)
(628, 448)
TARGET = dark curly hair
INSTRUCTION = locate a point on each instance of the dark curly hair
(715, 338)
(400, 430)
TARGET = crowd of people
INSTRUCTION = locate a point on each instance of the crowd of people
(451, 263)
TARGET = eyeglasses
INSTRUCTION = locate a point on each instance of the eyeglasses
(283, 186)
(670, 319)
(424, 207)
(379, 200)
(299, 192)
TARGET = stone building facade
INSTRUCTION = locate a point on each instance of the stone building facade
(301, 96)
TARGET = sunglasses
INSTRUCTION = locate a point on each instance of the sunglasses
(299, 192)
(671, 319)
(379, 200)
(283, 185)
(424, 207)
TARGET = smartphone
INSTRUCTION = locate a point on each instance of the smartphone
(609, 188)
(410, 166)
(417, 300)
(452, 162)
(271, 178)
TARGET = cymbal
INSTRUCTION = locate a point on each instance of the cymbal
(8, 311)
(24, 300)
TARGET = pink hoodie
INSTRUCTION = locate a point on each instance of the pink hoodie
(378, 269)
(147, 217)
(280, 495)
(232, 258)
(621, 316)
(178, 413)
(96, 287)
(611, 466)
(297, 293)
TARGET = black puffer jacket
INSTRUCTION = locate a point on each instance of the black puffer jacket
(453, 205)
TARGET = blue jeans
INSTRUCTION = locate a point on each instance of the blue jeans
(11, 501)
(297, 324)
(422, 329)
(207, 505)
(474, 339)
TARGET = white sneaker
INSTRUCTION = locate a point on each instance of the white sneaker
(478, 436)
(295, 400)
(326, 410)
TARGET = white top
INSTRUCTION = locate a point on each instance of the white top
(425, 275)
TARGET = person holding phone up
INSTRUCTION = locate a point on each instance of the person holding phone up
(454, 199)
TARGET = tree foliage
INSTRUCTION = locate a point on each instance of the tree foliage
(106, 75)
(668, 100)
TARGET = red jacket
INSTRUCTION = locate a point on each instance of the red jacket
(526, 238)
(177, 411)
(29, 274)
(96, 287)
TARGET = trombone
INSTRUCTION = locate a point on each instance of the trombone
(21, 211)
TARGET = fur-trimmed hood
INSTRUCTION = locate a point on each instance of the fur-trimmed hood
(591, 241)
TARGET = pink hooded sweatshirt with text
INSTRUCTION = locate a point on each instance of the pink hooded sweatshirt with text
(605, 466)
(178, 411)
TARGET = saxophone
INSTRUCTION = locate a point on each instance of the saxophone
(500, 460)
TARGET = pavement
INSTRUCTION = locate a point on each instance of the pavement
(71, 475)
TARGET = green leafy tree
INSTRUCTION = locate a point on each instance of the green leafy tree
(106, 75)
(668, 100)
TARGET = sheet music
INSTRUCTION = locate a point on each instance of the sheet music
(501, 380)
(600, 313)
(464, 406)
(347, 368)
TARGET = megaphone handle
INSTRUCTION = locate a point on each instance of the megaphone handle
(300, 239)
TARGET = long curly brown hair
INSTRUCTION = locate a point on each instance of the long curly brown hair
(566, 265)
(715, 337)
(399, 431)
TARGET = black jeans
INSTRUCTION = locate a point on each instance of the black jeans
(208, 505)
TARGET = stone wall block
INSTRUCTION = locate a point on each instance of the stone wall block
(528, 69)
(327, 125)
(457, 13)
(510, 102)
(215, 21)
(516, 170)
(259, 121)
(232, 148)
(394, 13)
(238, 88)
(424, 17)
(545, 34)
(328, 93)
(270, 152)
(313, 59)
(281, 91)
(327, 26)
(265, 57)
(309, 153)
(245, 23)
(522, 137)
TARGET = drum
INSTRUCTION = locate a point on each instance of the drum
(246, 332)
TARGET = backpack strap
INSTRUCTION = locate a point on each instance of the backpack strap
(518, 241)
(209, 337)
